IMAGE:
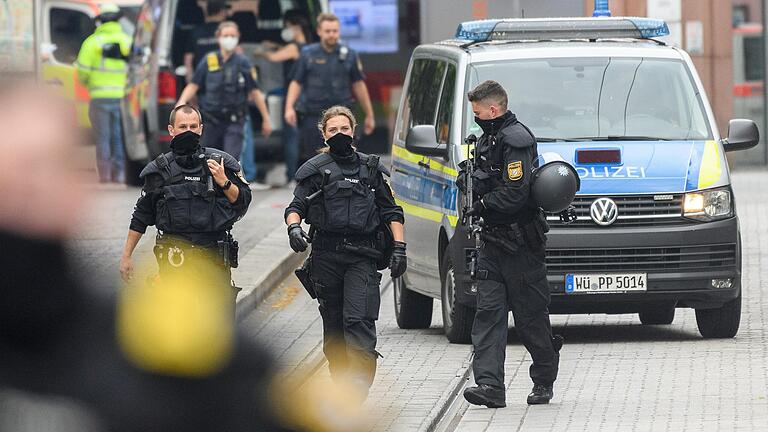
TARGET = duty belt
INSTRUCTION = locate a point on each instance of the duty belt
(511, 237)
(176, 251)
(364, 244)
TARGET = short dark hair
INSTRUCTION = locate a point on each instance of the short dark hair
(215, 7)
(187, 109)
(325, 16)
(489, 90)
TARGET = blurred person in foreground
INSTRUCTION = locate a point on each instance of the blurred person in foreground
(194, 195)
(164, 358)
(102, 68)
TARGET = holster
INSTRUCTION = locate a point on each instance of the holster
(304, 276)
(508, 238)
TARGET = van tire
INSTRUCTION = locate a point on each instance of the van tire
(412, 310)
(659, 316)
(457, 318)
(722, 322)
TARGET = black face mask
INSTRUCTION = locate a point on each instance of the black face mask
(340, 144)
(185, 143)
(492, 126)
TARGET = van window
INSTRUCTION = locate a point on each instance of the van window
(445, 109)
(601, 98)
(69, 28)
(423, 93)
(754, 66)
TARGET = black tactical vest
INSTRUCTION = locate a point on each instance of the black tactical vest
(328, 78)
(188, 204)
(225, 86)
(348, 203)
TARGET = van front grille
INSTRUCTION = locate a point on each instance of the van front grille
(633, 210)
(655, 259)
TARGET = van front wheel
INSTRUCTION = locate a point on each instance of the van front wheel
(722, 322)
(412, 310)
(457, 318)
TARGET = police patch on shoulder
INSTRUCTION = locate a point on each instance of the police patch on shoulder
(240, 175)
(515, 170)
(254, 74)
(213, 62)
(359, 65)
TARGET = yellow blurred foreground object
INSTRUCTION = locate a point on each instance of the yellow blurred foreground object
(179, 325)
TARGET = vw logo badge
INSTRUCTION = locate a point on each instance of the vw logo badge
(604, 211)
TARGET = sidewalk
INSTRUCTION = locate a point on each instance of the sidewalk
(418, 371)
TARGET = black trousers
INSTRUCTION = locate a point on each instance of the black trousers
(310, 138)
(348, 292)
(516, 282)
(188, 265)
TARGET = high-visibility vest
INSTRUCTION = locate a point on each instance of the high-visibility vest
(105, 78)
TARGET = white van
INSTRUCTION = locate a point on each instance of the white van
(657, 226)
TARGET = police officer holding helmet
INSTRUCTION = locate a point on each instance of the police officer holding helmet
(511, 271)
(193, 195)
(327, 74)
(342, 194)
(225, 80)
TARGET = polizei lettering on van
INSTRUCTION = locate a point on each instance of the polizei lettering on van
(611, 172)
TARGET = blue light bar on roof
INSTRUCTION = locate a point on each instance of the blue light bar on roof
(562, 28)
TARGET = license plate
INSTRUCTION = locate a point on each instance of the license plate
(605, 283)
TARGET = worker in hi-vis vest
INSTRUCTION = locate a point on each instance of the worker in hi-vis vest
(101, 67)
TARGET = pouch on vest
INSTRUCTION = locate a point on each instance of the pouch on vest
(349, 207)
(184, 208)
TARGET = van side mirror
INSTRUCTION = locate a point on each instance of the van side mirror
(422, 140)
(742, 134)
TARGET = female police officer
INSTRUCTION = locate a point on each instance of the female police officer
(353, 201)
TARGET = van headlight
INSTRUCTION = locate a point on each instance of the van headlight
(708, 205)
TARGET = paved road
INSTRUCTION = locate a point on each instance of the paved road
(102, 231)
(616, 375)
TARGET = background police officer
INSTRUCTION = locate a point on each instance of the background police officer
(225, 80)
(101, 67)
(193, 195)
(512, 274)
(355, 200)
(323, 77)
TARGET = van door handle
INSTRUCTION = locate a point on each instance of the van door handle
(425, 165)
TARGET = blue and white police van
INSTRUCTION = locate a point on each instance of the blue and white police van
(657, 227)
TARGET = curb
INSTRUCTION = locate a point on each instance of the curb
(439, 417)
(262, 268)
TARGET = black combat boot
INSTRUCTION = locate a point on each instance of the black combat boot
(483, 394)
(540, 394)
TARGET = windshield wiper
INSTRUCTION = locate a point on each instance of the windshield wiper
(619, 138)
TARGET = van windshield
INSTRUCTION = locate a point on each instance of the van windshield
(599, 98)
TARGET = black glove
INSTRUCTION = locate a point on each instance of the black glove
(568, 215)
(477, 208)
(399, 261)
(298, 237)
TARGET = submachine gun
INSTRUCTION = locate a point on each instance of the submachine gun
(471, 223)
(303, 272)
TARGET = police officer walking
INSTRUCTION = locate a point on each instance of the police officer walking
(326, 74)
(511, 271)
(193, 195)
(225, 80)
(342, 194)
(101, 67)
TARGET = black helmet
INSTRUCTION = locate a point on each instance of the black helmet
(554, 183)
